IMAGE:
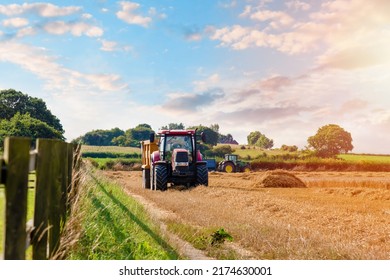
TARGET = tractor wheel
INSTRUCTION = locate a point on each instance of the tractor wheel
(146, 178)
(246, 169)
(228, 167)
(152, 171)
(202, 175)
(161, 178)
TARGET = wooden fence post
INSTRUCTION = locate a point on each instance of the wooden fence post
(51, 195)
(70, 171)
(55, 196)
(42, 195)
(16, 158)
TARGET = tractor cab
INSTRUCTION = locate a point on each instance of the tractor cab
(171, 143)
(231, 157)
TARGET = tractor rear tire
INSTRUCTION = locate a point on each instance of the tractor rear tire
(228, 167)
(202, 175)
(146, 178)
(161, 178)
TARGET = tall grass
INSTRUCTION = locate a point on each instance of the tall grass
(107, 224)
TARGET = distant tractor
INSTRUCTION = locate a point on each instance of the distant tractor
(173, 159)
(232, 164)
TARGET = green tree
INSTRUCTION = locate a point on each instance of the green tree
(100, 137)
(26, 126)
(221, 151)
(264, 142)
(139, 133)
(288, 148)
(256, 138)
(174, 126)
(215, 127)
(253, 137)
(331, 140)
(12, 102)
(211, 135)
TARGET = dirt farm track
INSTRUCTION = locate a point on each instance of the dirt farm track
(338, 216)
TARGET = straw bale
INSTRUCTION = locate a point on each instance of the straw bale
(279, 179)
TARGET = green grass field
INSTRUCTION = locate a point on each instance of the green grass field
(365, 158)
(30, 215)
(109, 149)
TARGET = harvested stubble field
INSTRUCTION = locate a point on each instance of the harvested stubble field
(337, 216)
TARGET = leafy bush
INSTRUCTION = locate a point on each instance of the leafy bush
(219, 237)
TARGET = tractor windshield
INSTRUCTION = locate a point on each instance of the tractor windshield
(176, 142)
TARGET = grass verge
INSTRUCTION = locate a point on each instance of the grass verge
(107, 224)
(115, 163)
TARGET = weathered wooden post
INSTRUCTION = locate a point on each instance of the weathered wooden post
(50, 196)
(16, 159)
(42, 195)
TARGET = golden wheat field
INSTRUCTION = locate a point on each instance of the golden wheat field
(336, 216)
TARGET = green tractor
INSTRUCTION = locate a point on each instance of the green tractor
(232, 164)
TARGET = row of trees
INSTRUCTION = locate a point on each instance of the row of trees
(329, 140)
(22, 115)
(116, 136)
(132, 136)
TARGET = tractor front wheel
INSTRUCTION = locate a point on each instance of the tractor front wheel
(202, 175)
(228, 167)
(160, 177)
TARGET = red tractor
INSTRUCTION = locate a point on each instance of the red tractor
(173, 159)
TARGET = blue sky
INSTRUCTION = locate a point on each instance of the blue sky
(284, 68)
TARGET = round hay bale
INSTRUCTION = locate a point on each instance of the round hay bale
(280, 179)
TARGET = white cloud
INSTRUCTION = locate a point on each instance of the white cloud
(27, 31)
(56, 77)
(41, 9)
(76, 29)
(128, 14)
(109, 46)
(277, 19)
(209, 82)
(229, 4)
(105, 82)
(112, 46)
(298, 5)
(86, 16)
(194, 37)
(338, 26)
(16, 22)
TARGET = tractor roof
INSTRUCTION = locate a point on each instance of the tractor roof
(177, 132)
